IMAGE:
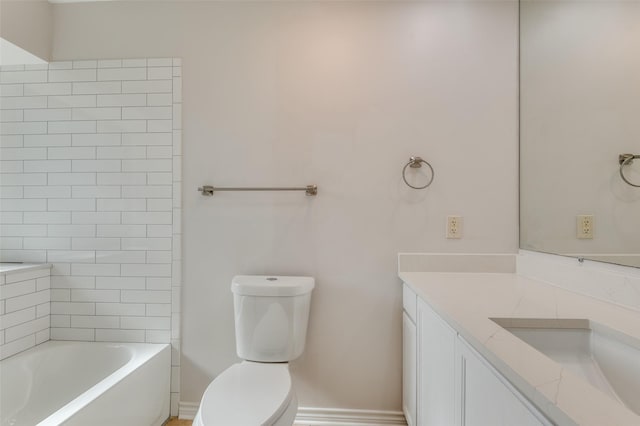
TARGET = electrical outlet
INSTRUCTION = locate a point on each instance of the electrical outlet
(454, 227)
(584, 226)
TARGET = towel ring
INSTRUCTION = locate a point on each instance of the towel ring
(416, 163)
(625, 160)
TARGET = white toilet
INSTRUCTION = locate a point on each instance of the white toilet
(271, 315)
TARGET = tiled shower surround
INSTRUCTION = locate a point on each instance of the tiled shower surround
(24, 310)
(91, 173)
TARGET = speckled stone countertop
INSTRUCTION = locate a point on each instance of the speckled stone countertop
(7, 268)
(467, 301)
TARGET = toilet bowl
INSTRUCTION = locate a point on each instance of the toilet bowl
(271, 315)
(251, 394)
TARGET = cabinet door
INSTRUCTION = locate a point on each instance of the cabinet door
(487, 399)
(436, 361)
(409, 369)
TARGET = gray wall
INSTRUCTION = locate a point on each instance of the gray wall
(339, 94)
(28, 24)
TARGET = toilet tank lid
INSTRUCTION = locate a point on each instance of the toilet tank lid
(271, 285)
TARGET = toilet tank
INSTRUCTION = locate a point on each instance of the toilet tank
(271, 316)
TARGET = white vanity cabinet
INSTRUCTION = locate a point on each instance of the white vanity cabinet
(487, 398)
(446, 382)
(436, 369)
(428, 344)
(409, 353)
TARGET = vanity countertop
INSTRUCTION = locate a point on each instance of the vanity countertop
(8, 267)
(467, 301)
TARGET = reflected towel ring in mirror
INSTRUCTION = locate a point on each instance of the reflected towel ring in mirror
(416, 163)
(626, 160)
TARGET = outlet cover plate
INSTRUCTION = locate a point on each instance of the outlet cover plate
(454, 227)
(584, 226)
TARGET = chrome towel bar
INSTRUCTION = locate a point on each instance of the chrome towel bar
(208, 190)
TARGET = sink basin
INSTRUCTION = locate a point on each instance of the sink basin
(606, 358)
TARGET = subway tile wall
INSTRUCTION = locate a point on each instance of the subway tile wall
(90, 155)
(24, 310)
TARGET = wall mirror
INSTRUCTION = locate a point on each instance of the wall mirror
(579, 110)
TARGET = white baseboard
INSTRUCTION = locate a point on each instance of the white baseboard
(187, 410)
(311, 416)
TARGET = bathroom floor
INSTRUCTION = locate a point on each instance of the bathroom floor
(174, 421)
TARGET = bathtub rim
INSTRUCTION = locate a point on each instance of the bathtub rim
(140, 354)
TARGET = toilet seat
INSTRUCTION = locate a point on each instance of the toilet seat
(247, 394)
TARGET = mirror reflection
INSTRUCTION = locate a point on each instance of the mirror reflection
(580, 110)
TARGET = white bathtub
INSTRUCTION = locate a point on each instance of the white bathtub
(86, 384)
